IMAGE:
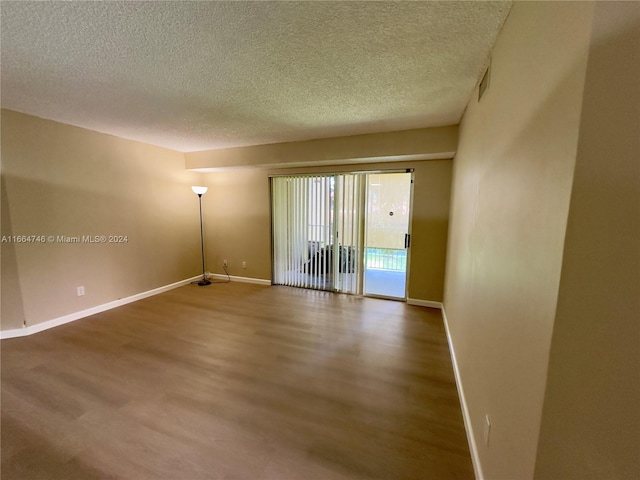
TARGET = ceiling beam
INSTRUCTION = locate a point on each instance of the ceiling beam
(404, 145)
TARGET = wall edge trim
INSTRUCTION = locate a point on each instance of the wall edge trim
(72, 317)
(234, 278)
(424, 303)
(473, 447)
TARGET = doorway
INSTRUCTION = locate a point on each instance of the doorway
(345, 232)
(387, 236)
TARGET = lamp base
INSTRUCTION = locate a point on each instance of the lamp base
(204, 283)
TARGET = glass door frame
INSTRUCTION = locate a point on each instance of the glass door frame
(363, 192)
(410, 171)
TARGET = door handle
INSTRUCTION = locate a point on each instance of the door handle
(407, 240)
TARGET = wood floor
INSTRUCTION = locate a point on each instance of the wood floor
(235, 381)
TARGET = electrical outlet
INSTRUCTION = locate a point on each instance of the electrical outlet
(244, 264)
(80, 291)
(487, 429)
(224, 263)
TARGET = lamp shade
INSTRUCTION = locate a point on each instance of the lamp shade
(199, 190)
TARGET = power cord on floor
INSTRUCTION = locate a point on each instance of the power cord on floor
(228, 277)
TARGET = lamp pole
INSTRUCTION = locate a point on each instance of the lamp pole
(200, 191)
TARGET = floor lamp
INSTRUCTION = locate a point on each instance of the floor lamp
(201, 191)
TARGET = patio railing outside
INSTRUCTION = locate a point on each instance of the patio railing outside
(386, 259)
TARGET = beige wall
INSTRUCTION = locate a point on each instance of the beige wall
(63, 180)
(591, 417)
(237, 215)
(11, 308)
(511, 189)
(237, 222)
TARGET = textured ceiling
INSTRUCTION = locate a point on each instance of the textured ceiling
(201, 75)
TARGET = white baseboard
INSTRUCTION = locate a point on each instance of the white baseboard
(473, 447)
(39, 327)
(424, 303)
(233, 278)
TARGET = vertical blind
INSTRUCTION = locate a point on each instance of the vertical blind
(318, 225)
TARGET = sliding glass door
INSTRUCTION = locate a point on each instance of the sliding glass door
(317, 231)
(387, 234)
(320, 223)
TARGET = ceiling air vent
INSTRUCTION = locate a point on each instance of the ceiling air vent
(484, 83)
